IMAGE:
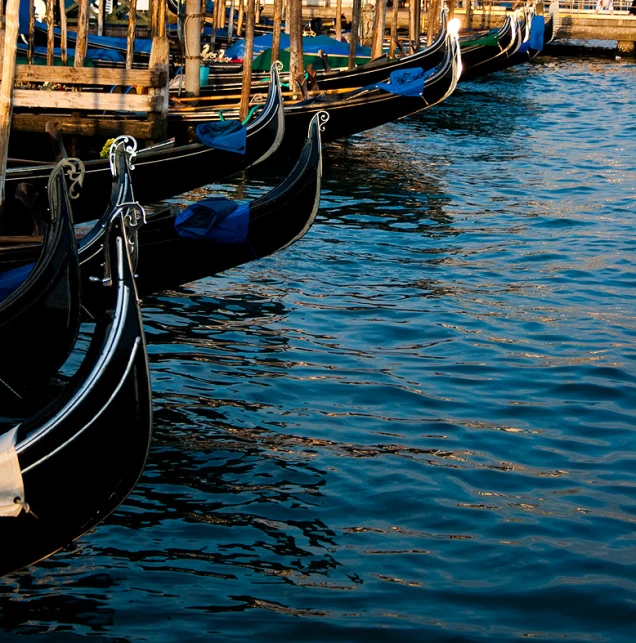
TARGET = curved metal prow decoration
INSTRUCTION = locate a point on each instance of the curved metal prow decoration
(74, 170)
(322, 118)
(133, 216)
(122, 145)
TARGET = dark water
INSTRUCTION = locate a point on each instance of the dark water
(418, 423)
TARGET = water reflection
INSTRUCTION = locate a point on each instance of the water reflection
(417, 422)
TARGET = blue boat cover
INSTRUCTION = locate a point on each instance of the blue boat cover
(405, 82)
(537, 29)
(142, 45)
(11, 280)
(216, 219)
(311, 45)
(229, 136)
(93, 54)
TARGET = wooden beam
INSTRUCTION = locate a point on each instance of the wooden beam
(87, 101)
(12, 25)
(91, 76)
(99, 127)
(338, 23)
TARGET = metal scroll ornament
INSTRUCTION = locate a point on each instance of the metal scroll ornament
(279, 66)
(122, 144)
(323, 117)
(74, 170)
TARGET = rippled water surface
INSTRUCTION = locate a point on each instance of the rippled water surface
(417, 423)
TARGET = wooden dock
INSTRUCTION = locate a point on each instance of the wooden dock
(105, 101)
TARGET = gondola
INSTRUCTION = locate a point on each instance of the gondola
(481, 55)
(531, 46)
(166, 170)
(273, 222)
(40, 313)
(358, 110)
(375, 71)
(170, 256)
(68, 466)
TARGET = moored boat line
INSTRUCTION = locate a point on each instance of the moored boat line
(67, 431)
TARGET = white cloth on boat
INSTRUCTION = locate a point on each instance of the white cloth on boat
(11, 483)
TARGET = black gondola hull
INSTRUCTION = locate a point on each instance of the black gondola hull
(168, 172)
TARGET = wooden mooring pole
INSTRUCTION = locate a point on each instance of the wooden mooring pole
(296, 62)
(433, 18)
(239, 20)
(338, 23)
(64, 32)
(81, 43)
(12, 25)
(379, 22)
(159, 62)
(193, 47)
(246, 92)
(31, 40)
(278, 15)
(394, 28)
(355, 28)
(50, 33)
(230, 24)
(132, 25)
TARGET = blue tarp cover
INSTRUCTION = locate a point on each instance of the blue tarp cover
(537, 28)
(230, 136)
(311, 45)
(93, 54)
(217, 219)
(11, 280)
(142, 45)
(406, 82)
